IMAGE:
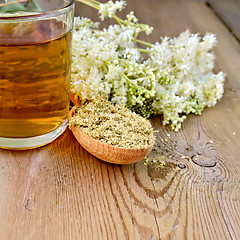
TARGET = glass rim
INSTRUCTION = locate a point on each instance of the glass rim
(41, 14)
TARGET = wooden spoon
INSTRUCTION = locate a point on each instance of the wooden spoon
(74, 99)
(107, 152)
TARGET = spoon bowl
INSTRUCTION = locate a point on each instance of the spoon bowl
(107, 152)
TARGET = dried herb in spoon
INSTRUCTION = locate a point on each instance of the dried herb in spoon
(113, 124)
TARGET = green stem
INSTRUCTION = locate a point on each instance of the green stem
(93, 4)
(143, 42)
(123, 75)
(134, 82)
(119, 20)
(145, 50)
(96, 2)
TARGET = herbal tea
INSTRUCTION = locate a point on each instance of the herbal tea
(34, 78)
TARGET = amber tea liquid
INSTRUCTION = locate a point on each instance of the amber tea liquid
(34, 78)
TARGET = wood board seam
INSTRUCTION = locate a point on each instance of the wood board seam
(208, 4)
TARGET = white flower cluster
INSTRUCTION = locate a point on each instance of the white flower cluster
(174, 80)
(107, 10)
(185, 82)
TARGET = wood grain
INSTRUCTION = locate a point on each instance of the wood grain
(228, 12)
(60, 191)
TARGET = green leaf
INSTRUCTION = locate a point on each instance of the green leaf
(28, 6)
(35, 6)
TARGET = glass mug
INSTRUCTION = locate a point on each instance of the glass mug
(35, 68)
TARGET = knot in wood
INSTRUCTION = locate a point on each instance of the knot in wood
(204, 161)
(181, 166)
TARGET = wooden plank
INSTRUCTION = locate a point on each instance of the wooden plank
(229, 12)
(61, 192)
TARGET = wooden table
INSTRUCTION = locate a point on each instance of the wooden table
(60, 191)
